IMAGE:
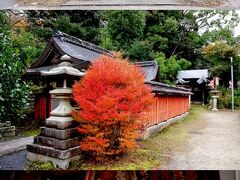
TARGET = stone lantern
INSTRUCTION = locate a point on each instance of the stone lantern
(214, 100)
(58, 142)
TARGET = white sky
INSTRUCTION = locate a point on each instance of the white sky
(237, 29)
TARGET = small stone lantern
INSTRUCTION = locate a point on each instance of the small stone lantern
(214, 100)
(58, 142)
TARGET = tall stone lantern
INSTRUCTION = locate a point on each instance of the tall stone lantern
(58, 141)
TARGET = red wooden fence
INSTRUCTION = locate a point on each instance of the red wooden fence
(166, 107)
(42, 107)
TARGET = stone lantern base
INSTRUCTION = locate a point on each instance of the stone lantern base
(61, 163)
(57, 145)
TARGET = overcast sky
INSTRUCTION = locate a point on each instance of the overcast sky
(237, 29)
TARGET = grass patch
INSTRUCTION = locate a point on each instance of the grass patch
(153, 152)
(40, 166)
(21, 134)
(32, 132)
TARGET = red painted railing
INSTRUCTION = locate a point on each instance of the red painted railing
(166, 107)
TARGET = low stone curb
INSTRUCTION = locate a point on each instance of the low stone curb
(10, 147)
(160, 126)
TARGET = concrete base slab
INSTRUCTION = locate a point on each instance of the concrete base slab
(158, 127)
(60, 163)
(56, 153)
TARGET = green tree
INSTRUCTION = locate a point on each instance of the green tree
(169, 67)
(218, 55)
(140, 51)
(174, 33)
(27, 46)
(82, 24)
(123, 31)
(183, 33)
(13, 92)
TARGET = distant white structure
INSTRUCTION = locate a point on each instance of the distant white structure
(196, 80)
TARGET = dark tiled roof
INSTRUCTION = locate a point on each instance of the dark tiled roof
(78, 48)
(167, 89)
(149, 68)
(83, 54)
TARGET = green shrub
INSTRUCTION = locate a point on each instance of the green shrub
(225, 98)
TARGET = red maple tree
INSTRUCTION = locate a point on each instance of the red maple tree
(113, 101)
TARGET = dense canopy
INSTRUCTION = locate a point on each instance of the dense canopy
(177, 40)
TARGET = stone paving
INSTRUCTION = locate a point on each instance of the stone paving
(120, 4)
(15, 161)
(10, 147)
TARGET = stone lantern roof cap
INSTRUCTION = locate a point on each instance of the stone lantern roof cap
(64, 68)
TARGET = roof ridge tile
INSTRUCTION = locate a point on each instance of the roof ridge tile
(79, 42)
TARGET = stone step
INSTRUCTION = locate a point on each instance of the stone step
(56, 143)
(56, 153)
(7, 129)
(59, 133)
(5, 124)
(7, 134)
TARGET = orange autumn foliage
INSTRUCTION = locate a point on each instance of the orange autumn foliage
(113, 101)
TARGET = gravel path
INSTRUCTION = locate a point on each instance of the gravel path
(213, 143)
